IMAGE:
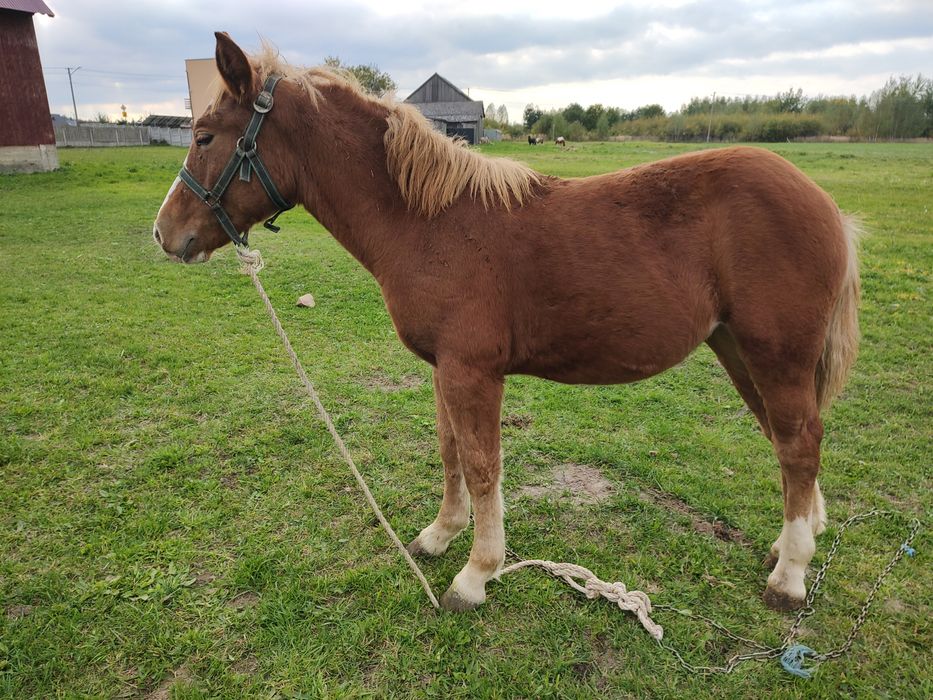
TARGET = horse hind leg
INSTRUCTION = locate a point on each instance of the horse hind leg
(796, 435)
(723, 343)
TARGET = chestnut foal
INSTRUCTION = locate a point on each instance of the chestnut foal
(488, 269)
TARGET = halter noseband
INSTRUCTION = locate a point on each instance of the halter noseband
(244, 158)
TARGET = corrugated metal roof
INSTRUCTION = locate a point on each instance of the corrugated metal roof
(167, 121)
(452, 111)
(31, 6)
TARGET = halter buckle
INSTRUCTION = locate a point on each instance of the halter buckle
(263, 102)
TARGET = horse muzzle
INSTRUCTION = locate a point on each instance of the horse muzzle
(185, 252)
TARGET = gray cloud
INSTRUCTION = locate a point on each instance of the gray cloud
(134, 52)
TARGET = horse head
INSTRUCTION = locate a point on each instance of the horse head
(191, 222)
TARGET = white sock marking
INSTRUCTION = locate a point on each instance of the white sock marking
(796, 547)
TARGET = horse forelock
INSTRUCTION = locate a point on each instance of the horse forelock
(268, 61)
(430, 169)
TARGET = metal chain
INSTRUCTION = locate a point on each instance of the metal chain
(860, 620)
(774, 652)
(807, 609)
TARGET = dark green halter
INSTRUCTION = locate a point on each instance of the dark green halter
(244, 159)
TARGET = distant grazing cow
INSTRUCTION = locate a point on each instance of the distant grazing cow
(532, 141)
(560, 141)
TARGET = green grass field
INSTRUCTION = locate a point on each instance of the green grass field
(175, 522)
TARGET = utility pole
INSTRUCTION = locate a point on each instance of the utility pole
(72, 71)
(710, 127)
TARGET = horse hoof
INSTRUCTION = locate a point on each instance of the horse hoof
(781, 601)
(453, 602)
(416, 549)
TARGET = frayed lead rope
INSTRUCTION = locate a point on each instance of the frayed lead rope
(250, 259)
(631, 601)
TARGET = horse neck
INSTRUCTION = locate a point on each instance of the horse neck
(347, 185)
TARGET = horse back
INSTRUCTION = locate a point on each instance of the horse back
(617, 277)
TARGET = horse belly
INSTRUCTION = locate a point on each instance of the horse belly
(610, 365)
(619, 349)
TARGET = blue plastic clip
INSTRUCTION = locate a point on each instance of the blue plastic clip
(908, 550)
(792, 660)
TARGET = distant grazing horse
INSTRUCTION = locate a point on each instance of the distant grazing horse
(532, 141)
(488, 268)
(559, 141)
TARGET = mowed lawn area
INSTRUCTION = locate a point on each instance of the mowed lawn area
(175, 521)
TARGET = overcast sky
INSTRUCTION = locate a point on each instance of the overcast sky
(623, 54)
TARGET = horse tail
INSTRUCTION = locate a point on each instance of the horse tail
(842, 335)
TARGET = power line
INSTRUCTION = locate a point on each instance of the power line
(121, 73)
(135, 75)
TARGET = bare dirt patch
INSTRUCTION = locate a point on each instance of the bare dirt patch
(516, 420)
(383, 383)
(202, 576)
(607, 660)
(16, 612)
(580, 484)
(243, 601)
(164, 690)
(698, 521)
(246, 666)
(894, 606)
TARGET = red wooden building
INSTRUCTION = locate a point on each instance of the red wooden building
(27, 140)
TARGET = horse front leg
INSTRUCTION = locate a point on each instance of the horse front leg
(454, 514)
(473, 401)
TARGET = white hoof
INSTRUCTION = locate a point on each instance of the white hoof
(787, 584)
(786, 587)
(433, 540)
(465, 593)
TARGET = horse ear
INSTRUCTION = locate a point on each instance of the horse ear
(234, 67)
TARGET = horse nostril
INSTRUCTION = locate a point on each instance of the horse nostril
(183, 252)
(157, 235)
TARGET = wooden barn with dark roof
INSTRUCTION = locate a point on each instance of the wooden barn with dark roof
(27, 140)
(450, 110)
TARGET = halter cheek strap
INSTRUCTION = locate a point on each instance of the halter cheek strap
(245, 159)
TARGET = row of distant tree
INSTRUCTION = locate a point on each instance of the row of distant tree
(902, 108)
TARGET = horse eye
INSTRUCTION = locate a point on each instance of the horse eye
(204, 139)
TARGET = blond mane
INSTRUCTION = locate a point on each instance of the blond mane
(430, 169)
